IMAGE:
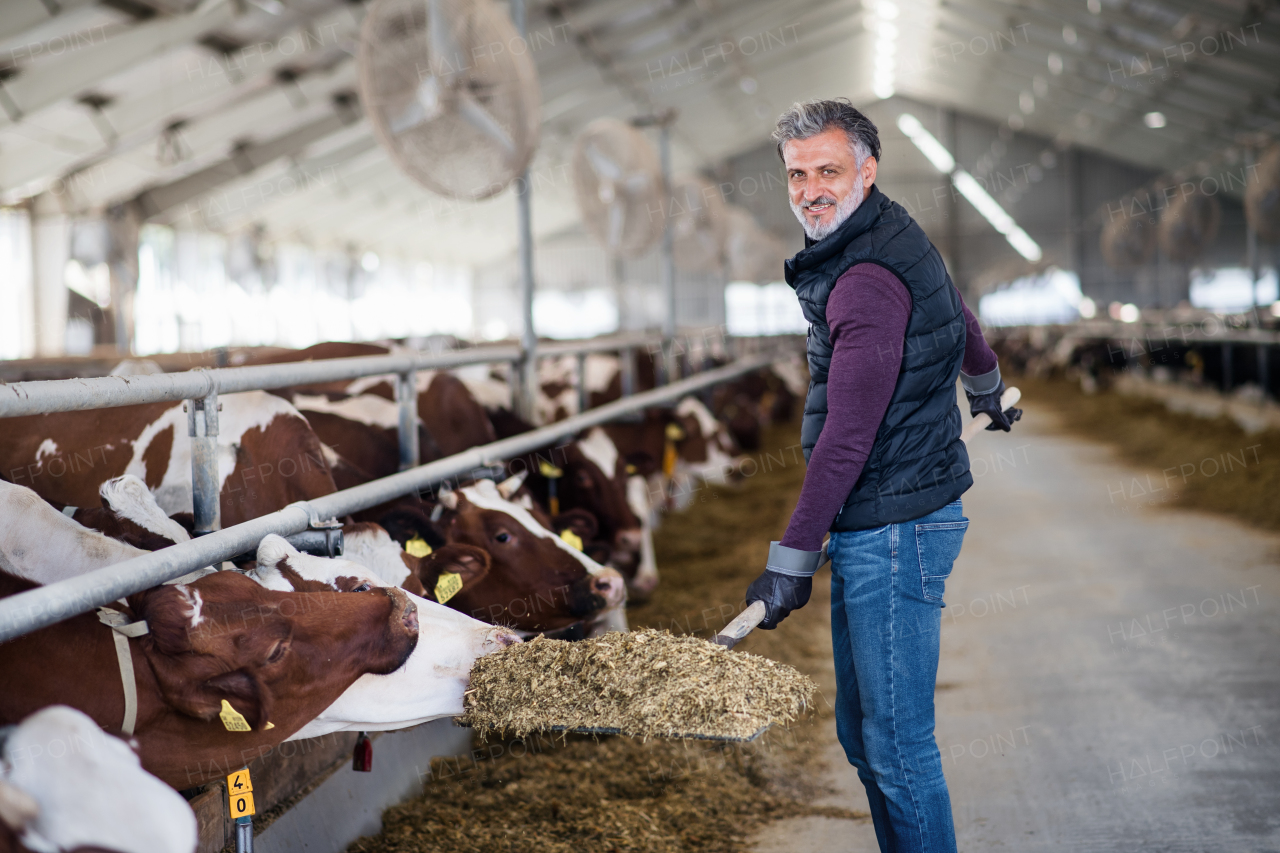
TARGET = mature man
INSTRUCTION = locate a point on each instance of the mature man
(888, 334)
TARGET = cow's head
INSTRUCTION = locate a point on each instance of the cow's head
(431, 683)
(595, 478)
(225, 637)
(532, 579)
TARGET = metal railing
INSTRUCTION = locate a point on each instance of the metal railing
(38, 608)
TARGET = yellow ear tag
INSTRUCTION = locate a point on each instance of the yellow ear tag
(233, 719)
(548, 470)
(674, 432)
(449, 585)
(631, 469)
(417, 547)
(572, 538)
(669, 459)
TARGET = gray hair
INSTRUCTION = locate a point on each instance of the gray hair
(810, 118)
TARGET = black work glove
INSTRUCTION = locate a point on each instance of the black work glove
(990, 404)
(786, 583)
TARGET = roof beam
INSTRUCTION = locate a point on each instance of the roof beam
(245, 160)
(20, 16)
(44, 84)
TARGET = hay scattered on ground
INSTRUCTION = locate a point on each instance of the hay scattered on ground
(1146, 433)
(616, 795)
(645, 683)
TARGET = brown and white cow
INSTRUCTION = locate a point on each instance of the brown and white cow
(220, 653)
(67, 785)
(534, 581)
(129, 514)
(268, 456)
(431, 683)
(452, 418)
(44, 546)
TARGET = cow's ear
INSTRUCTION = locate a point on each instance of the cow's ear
(582, 522)
(411, 522)
(240, 688)
(167, 614)
(642, 462)
(468, 561)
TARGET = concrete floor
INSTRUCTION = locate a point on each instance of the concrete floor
(1110, 675)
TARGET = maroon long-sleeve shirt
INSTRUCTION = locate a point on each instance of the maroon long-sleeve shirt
(867, 312)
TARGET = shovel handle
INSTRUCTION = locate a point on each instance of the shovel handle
(1008, 400)
(742, 625)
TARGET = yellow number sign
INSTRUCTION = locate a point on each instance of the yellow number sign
(239, 782)
(239, 793)
(241, 805)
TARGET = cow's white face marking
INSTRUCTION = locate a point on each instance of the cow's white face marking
(793, 374)
(693, 407)
(195, 603)
(601, 450)
(129, 497)
(91, 789)
(375, 550)
(331, 456)
(601, 369)
(489, 393)
(367, 409)
(484, 494)
(48, 447)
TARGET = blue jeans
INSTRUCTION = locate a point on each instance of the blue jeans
(886, 616)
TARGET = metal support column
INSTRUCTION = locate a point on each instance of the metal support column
(584, 398)
(1264, 370)
(1251, 253)
(627, 366)
(202, 426)
(527, 396)
(407, 429)
(668, 374)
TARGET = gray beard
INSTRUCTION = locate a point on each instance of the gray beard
(844, 209)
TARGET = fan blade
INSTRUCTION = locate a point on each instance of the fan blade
(446, 58)
(602, 165)
(616, 224)
(478, 117)
(412, 116)
(638, 182)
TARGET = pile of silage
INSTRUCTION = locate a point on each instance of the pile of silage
(646, 683)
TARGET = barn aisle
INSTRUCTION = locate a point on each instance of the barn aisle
(1111, 668)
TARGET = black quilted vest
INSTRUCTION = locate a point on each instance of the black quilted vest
(918, 463)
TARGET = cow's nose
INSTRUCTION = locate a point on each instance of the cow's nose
(628, 540)
(610, 586)
(503, 637)
(409, 618)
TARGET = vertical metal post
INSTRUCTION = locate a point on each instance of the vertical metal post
(526, 400)
(1264, 370)
(407, 429)
(668, 260)
(627, 365)
(584, 398)
(202, 426)
(1251, 253)
(244, 835)
(1226, 368)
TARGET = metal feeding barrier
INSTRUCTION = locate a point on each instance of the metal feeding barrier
(38, 608)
